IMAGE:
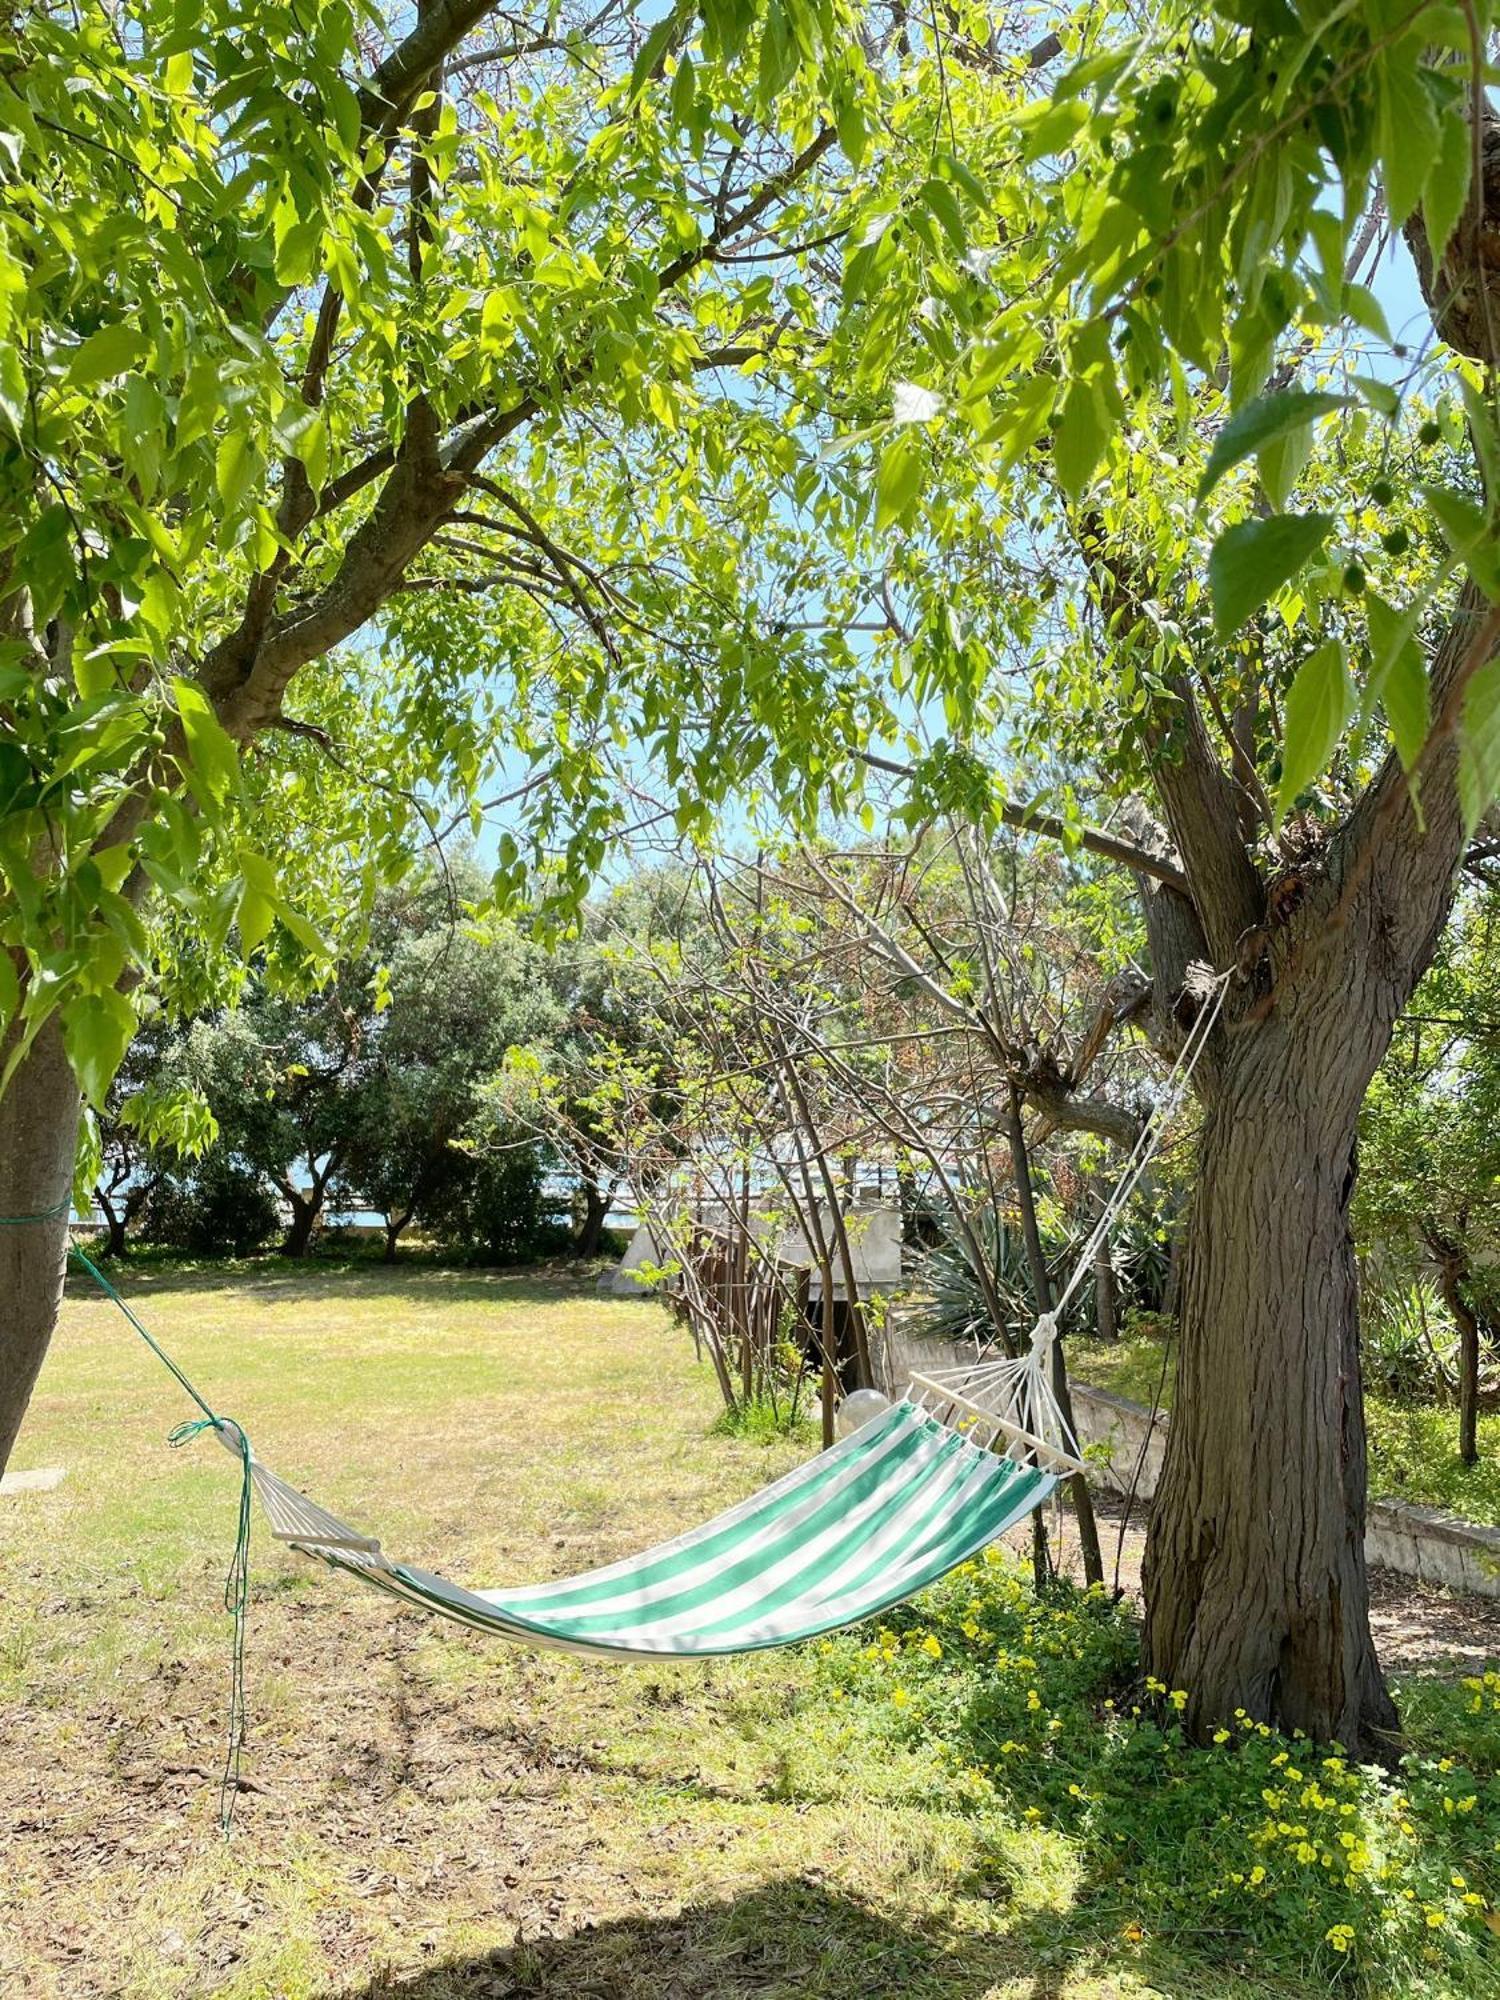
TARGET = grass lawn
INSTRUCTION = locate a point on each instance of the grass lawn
(436, 1815)
(1413, 1446)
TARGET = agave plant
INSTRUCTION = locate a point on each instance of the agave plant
(1408, 1340)
(954, 1305)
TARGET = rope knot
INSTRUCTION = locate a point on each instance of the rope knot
(1044, 1333)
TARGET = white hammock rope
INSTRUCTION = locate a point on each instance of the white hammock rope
(1012, 1398)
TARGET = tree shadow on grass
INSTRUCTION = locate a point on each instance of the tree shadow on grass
(293, 1280)
(794, 1939)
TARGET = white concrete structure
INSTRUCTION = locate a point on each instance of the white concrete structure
(875, 1247)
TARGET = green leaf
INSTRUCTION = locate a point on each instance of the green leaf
(254, 915)
(1281, 464)
(1261, 423)
(939, 197)
(1318, 710)
(97, 1029)
(1398, 674)
(1404, 695)
(853, 132)
(12, 386)
(211, 753)
(1253, 559)
(1051, 126)
(1407, 133)
(652, 50)
(1082, 433)
(312, 449)
(779, 54)
(1479, 745)
(1448, 189)
(236, 467)
(683, 86)
(1467, 530)
(899, 479)
(259, 873)
(1380, 396)
(111, 351)
(305, 934)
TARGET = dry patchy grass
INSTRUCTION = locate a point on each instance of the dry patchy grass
(433, 1814)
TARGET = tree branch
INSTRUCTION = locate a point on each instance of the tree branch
(1031, 819)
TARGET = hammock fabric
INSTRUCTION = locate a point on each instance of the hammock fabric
(869, 1522)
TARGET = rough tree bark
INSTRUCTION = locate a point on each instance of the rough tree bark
(1256, 1593)
(39, 1113)
(1255, 1580)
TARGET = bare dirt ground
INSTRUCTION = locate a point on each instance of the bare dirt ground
(1415, 1627)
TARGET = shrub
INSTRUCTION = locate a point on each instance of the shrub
(1272, 1854)
(221, 1209)
(497, 1212)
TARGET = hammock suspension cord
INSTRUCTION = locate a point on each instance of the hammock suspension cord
(1014, 1394)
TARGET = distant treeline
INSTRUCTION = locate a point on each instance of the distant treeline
(386, 1092)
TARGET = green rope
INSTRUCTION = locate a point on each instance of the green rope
(162, 1356)
(237, 1582)
(43, 1215)
(236, 1603)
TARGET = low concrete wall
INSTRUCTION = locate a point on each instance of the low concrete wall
(1420, 1542)
(1125, 1448)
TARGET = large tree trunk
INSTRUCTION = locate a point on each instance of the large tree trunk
(38, 1139)
(1256, 1595)
(1255, 1572)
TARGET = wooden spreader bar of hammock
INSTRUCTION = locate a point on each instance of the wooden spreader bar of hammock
(1050, 1457)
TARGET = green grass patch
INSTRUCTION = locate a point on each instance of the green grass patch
(961, 1803)
(1413, 1445)
(762, 1421)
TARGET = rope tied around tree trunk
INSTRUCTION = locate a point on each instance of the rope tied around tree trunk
(58, 1209)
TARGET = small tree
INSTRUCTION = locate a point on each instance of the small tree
(153, 1120)
(1429, 1189)
(284, 1079)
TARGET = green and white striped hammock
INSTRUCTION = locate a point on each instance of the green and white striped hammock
(877, 1517)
